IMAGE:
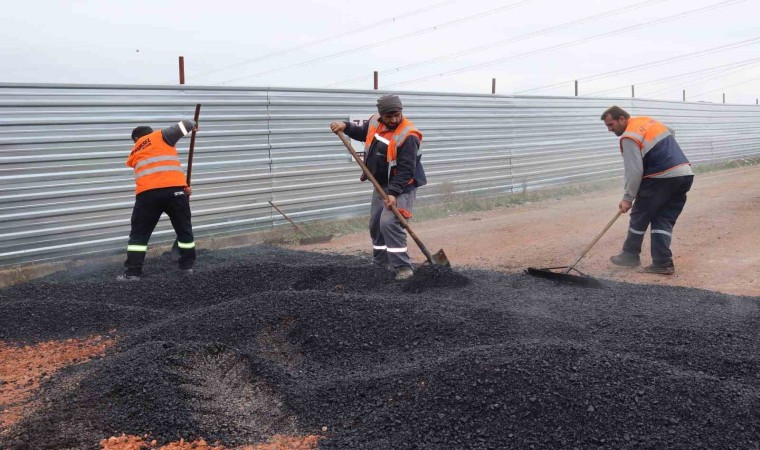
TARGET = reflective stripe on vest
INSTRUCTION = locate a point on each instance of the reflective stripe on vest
(646, 132)
(156, 164)
(658, 147)
(405, 129)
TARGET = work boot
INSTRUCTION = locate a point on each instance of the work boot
(404, 273)
(126, 277)
(626, 260)
(186, 272)
(662, 269)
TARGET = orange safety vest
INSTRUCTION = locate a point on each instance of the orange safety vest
(657, 144)
(405, 129)
(156, 164)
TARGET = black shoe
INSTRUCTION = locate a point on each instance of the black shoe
(626, 260)
(186, 272)
(661, 269)
(126, 277)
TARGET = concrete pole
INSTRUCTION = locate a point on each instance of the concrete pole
(377, 80)
(493, 85)
(576, 88)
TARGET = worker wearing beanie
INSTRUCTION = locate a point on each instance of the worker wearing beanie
(160, 188)
(393, 156)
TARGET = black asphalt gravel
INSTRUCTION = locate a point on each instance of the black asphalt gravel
(263, 341)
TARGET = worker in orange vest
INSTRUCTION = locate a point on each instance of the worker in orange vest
(393, 156)
(160, 188)
(657, 177)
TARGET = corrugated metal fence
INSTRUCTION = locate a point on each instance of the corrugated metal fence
(65, 191)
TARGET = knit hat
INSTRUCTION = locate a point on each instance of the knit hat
(389, 104)
(141, 131)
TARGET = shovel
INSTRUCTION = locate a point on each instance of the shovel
(308, 239)
(438, 258)
(563, 275)
(175, 245)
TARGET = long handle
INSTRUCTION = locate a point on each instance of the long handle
(288, 219)
(596, 239)
(192, 143)
(384, 196)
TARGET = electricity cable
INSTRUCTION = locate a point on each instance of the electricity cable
(377, 44)
(471, 50)
(364, 28)
(571, 43)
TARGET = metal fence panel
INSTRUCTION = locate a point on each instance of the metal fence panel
(65, 191)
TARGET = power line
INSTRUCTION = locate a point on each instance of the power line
(724, 87)
(702, 79)
(377, 44)
(658, 62)
(579, 41)
(364, 28)
(710, 71)
(480, 48)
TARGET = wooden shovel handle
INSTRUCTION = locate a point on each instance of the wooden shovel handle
(596, 239)
(192, 143)
(384, 196)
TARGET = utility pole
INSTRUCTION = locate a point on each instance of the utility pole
(684, 95)
(376, 80)
(576, 88)
(493, 85)
(633, 92)
(181, 70)
(724, 97)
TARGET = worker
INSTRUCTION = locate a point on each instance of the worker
(392, 154)
(160, 188)
(657, 178)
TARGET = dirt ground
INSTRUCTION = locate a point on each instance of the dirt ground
(715, 243)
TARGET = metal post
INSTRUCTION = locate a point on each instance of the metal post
(633, 92)
(724, 97)
(493, 85)
(576, 88)
(684, 95)
(181, 70)
(376, 80)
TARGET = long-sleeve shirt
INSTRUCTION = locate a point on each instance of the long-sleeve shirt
(174, 133)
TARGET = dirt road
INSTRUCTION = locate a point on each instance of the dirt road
(716, 244)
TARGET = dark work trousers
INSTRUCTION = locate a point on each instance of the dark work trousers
(658, 203)
(388, 236)
(149, 205)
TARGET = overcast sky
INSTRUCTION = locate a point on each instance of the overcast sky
(429, 45)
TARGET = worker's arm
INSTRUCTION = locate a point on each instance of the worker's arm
(633, 164)
(406, 163)
(174, 133)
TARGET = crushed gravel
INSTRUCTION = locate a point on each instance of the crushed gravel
(263, 341)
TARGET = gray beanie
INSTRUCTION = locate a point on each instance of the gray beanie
(388, 104)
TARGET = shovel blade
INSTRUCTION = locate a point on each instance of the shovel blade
(440, 259)
(564, 277)
(315, 239)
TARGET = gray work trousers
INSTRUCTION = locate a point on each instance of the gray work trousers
(388, 236)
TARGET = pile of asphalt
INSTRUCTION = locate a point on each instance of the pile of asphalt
(263, 341)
